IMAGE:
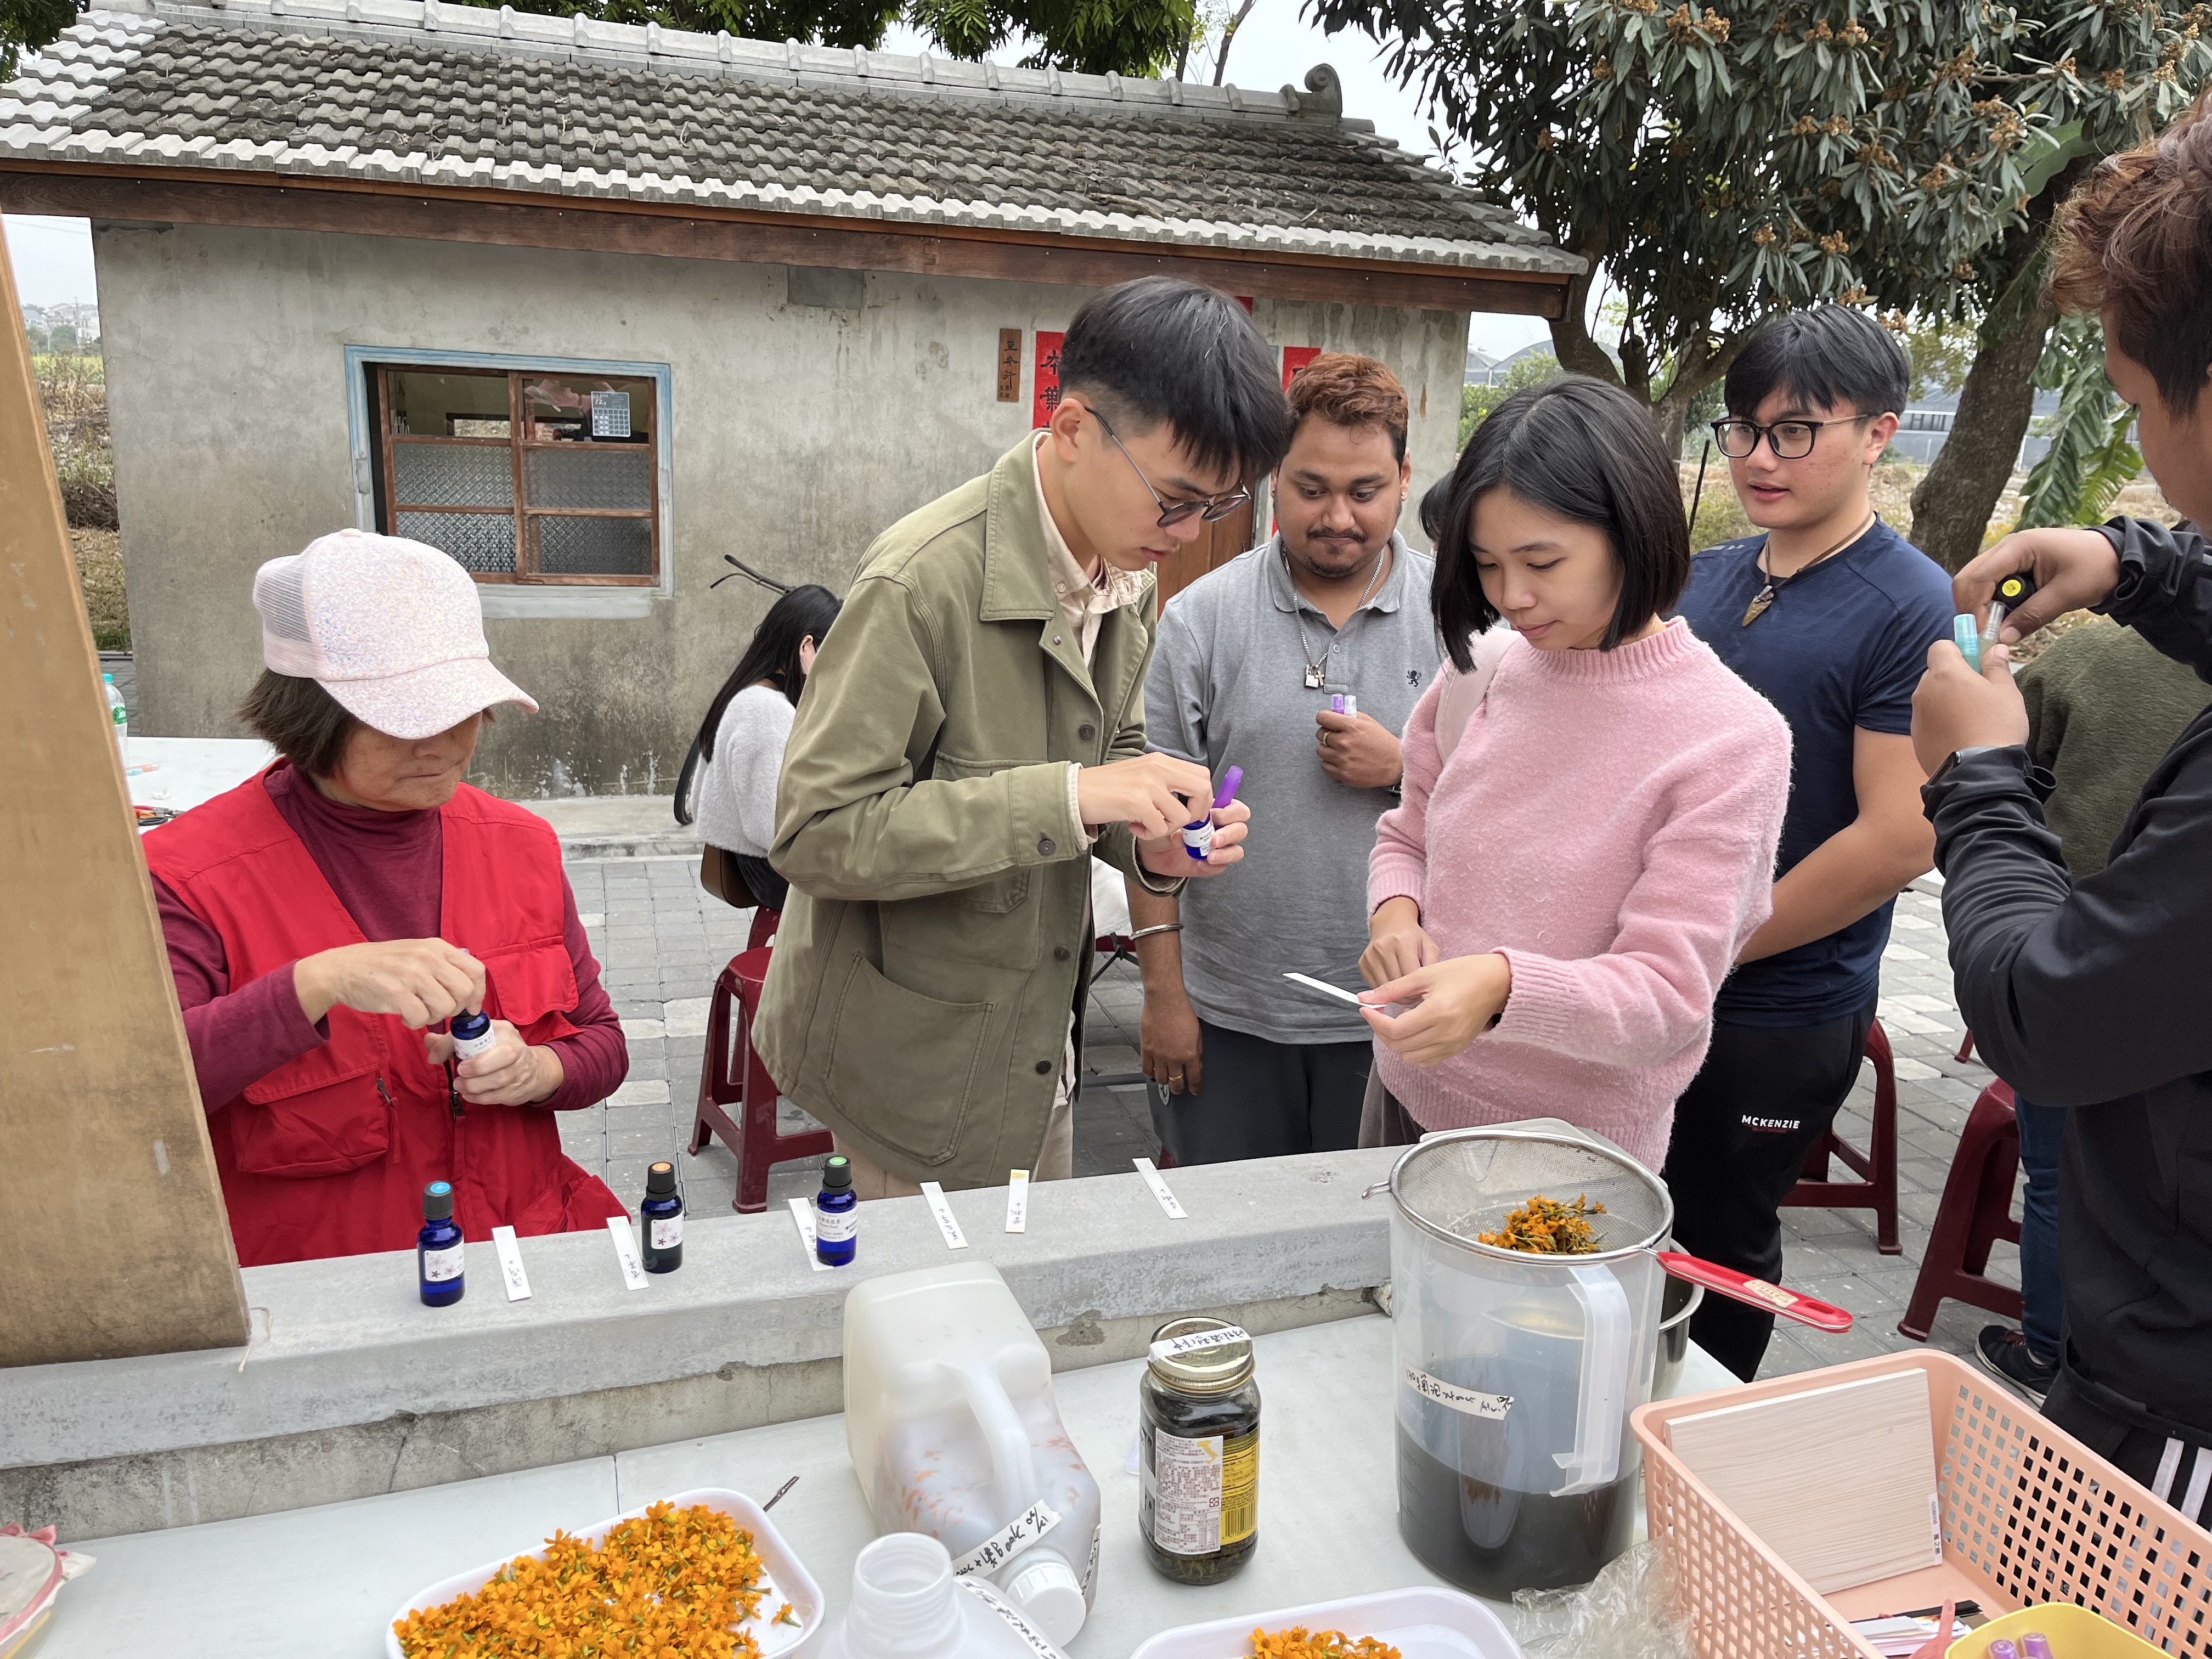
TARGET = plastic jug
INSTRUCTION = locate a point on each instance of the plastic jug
(1516, 1372)
(908, 1605)
(955, 1433)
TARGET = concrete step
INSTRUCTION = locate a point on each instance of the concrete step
(617, 826)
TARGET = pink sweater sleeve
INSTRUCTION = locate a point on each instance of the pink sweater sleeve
(1398, 865)
(1707, 882)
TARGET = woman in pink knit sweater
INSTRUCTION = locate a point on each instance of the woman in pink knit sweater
(1559, 897)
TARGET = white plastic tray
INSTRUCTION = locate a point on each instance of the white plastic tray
(784, 1578)
(1423, 1622)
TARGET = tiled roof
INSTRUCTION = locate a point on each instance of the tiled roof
(439, 95)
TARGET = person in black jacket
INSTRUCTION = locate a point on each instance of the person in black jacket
(2096, 995)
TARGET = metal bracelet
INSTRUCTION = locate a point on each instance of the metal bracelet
(1157, 927)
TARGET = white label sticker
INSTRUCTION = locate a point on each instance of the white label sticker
(667, 1231)
(1935, 1522)
(626, 1251)
(1013, 1621)
(1492, 1405)
(1091, 1572)
(1152, 1175)
(510, 1264)
(947, 1222)
(1009, 1541)
(439, 1266)
(836, 1226)
(1017, 1200)
(1186, 1493)
(802, 1214)
(1199, 1341)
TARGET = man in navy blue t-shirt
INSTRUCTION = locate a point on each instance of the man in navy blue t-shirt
(1830, 614)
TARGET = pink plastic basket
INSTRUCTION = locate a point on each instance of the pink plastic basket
(2030, 1514)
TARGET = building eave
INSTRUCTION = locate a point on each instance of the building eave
(345, 205)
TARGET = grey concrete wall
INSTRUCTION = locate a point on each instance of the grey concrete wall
(799, 431)
(350, 1386)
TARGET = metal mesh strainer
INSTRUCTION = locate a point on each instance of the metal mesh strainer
(1461, 1184)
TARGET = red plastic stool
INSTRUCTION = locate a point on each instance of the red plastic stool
(1878, 1163)
(1976, 1212)
(762, 931)
(732, 1075)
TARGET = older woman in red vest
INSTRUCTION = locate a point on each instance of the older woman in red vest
(325, 919)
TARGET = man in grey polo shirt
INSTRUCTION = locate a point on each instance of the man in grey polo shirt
(1248, 663)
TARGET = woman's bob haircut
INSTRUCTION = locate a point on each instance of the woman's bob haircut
(1588, 453)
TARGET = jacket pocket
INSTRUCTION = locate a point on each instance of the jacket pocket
(524, 983)
(904, 1064)
(311, 1118)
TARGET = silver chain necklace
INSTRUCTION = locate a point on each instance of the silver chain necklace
(1317, 670)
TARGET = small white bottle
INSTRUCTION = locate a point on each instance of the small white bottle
(120, 716)
(908, 1605)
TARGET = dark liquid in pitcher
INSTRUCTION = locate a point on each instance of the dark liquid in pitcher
(1491, 1541)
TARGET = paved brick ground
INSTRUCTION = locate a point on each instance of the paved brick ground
(660, 941)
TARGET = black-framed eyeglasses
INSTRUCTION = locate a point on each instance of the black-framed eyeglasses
(1790, 440)
(1208, 509)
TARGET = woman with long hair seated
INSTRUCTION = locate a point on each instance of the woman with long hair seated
(1570, 875)
(740, 743)
(325, 919)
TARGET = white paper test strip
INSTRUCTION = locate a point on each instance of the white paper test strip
(626, 1251)
(1325, 988)
(802, 1212)
(510, 1264)
(1152, 1179)
(1017, 1200)
(947, 1222)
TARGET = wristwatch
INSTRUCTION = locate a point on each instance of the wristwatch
(1957, 756)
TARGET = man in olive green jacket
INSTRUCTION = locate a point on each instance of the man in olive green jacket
(973, 730)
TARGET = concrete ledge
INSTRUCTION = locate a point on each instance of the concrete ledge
(617, 826)
(350, 1385)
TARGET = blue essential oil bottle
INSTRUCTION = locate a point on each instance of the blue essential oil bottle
(836, 1212)
(660, 1220)
(438, 1248)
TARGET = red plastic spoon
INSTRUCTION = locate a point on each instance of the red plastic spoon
(1757, 1292)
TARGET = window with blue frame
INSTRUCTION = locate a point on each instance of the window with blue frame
(523, 475)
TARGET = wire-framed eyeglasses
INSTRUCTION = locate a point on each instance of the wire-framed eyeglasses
(1790, 440)
(1206, 508)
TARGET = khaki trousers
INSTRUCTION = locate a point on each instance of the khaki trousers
(1055, 1162)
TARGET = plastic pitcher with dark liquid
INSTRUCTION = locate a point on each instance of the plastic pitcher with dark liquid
(1516, 1372)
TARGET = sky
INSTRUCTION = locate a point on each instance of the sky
(53, 257)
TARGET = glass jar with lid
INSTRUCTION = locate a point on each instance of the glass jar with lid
(1198, 1499)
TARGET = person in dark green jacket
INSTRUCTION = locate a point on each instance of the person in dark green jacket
(974, 731)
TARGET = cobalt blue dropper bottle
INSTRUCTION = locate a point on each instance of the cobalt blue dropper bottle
(438, 1248)
(660, 1220)
(836, 1217)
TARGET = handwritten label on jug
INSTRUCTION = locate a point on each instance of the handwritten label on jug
(1492, 1405)
(1198, 1341)
(1012, 1620)
(1009, 1541)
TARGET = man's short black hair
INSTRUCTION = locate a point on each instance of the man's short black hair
(1586, 452)
(1159, 349)
(1827, 357)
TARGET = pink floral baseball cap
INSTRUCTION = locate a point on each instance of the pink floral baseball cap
(392, 629)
